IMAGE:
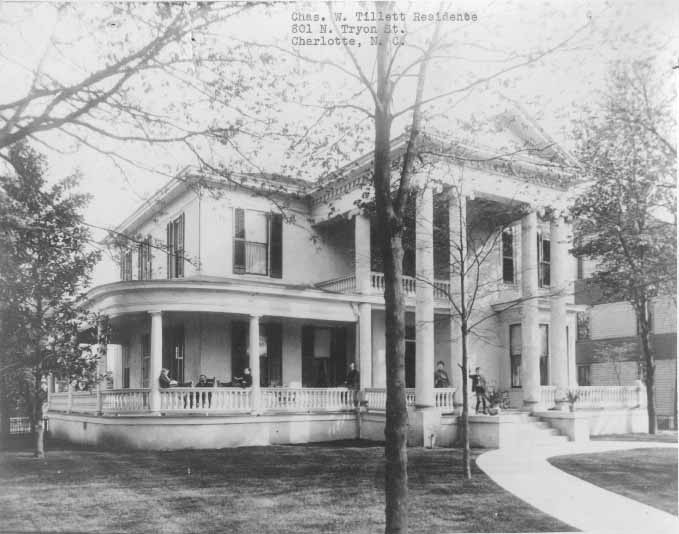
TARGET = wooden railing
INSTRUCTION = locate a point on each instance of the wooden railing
(84, 402)
(597, 397)
(124, 400)
(548, 396)
(59, 402)
(233, 400)
(344, 284)
(376, 398)
(307, 399)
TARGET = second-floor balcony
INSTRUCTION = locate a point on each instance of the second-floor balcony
(347, 284)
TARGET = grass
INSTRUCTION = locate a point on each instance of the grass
(645, 475)
(333, 487)
(664, 436)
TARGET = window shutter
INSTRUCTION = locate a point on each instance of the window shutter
(180, 246)
(169, 248)
(276, 246)
(239, 223)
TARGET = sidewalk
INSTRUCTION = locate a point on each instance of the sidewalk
(526, 473)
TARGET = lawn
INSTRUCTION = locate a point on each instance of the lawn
(664, 436)
(336, 487)
(645, 475)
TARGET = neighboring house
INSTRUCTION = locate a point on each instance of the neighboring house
(215, 270)
(608, 350)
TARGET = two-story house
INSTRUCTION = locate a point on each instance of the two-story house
(284, 277)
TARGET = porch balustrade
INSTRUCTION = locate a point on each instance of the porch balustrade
(347, 284)
(376, 398)
(598, 397)
(234, 400)
(124, 400)
(84, 402)
(307, 399)
(59, 402)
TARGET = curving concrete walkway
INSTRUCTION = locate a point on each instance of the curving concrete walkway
(526, 473)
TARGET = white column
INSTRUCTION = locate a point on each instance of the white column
(558, 341)
(254, 361)
(362, 252)
(530, 329)
(365, 344)
(424, 299)
(156, 360)
(457, 216)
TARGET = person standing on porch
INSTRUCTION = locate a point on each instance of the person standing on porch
(479, 387)
(352, 379)
(440, 376)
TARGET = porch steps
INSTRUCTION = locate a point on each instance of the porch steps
(533, 431)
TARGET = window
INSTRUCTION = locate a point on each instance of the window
(145, 258)
(543, 261)
(126, 265)
(257, 243)
(126, 366)
(544, 355)
(584, 375)
(508, 269)
(145, 359)
(175, 248)
(173, 351)
(515, 354)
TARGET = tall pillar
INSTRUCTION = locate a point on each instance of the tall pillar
(558, 340)
(156, 360)
(530, 329)
(457, 216)
(362, 252)
(254, 361)
(424, 299)
(365, 344)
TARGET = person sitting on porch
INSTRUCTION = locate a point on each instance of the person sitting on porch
(441, 377)
(479, 387)
(202, 382)
(164, 379)
(244, 381)
(352, 379)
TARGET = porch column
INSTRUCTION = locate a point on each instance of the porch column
(254, 361)
(362, 252)
(156, 360)
(424, 299)
(530, 330)
(457, 216)
(559, 263)
(365, 344)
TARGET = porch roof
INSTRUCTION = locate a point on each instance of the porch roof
(223, 295)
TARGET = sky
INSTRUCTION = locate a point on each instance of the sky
(552, 90)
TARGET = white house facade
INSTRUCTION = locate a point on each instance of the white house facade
(217, 267)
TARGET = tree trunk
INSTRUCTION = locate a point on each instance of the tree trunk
(37, 400)
(466, 451)
(649, 360)
(4, 414)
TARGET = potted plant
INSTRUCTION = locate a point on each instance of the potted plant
(572, 397)
(561, 401)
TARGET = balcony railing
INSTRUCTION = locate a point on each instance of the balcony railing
(231, 400)
(308, 399)
(347, 284)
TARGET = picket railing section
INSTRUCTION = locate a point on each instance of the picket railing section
(610, 397)
(84, 402)
(59, 402)
(235, 400)
(445, 398)
(340, 285)
(307, 399)
(124, 400)
(548, 396)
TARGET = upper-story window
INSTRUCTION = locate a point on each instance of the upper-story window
(508, 270)
(126, 265)
(175, 248)
(543, 261)
(257, 243)
(145, 259)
